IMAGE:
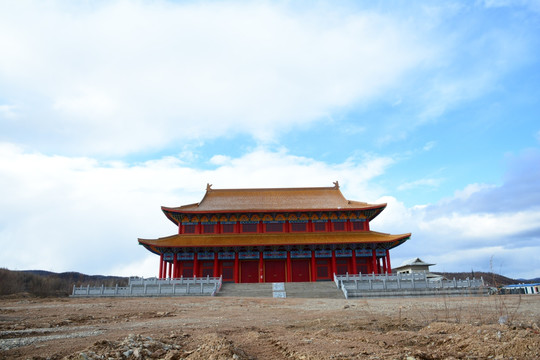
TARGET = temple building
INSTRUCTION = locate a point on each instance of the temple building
(273, 235)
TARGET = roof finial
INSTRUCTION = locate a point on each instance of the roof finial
(336, 184)
(208, 186)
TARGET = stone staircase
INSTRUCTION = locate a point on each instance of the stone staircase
(320, 289)
(246, 290)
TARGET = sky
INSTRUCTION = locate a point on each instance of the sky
(111, 109)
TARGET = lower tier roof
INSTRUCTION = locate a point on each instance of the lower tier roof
(275, 239)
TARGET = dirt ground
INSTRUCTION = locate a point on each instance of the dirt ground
(495, 327)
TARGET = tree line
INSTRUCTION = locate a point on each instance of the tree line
(49, 284)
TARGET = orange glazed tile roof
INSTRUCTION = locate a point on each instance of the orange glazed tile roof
(273, 199)
(275, 239)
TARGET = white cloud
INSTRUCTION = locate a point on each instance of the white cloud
(429, 145)
(122, 76)
(489, 228)
(471, 189)
(8, 111)
(422, 183)
(220, 160)
(146, 267)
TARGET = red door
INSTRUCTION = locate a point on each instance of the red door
(227, 270)
(300, 270)
(342, 266)
(249, 271)
(323, 269)
(274, 271)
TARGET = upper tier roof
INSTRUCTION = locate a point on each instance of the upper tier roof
(273, 199)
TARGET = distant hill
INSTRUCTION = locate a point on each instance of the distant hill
(45, 283)
(530, 281)
(77, 277)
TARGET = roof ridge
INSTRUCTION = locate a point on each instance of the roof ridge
(279, 188)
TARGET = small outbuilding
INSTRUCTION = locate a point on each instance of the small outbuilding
(416, 265)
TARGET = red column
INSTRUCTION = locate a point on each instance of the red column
(388, 266)
(175, 266)
(236, 268)
(313, 266)
(261, 267)
(160, 266)
(289, 266)
(164, 272)
(333, 262)
(383, 260)
(354, 267)
(216, 265)
(374, 265)
(195, 265)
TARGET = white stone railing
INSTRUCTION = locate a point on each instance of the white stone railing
(355, 285)
(194, 286)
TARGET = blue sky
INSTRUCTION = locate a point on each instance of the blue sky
(109, 110)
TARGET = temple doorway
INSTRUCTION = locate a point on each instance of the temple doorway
(274, 271)
(249, 271)
(300, 270)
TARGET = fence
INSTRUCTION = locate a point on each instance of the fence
(194, 286)
(413, 284)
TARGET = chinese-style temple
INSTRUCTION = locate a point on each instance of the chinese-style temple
(273, 235)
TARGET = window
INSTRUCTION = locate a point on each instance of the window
(274, 227)
(249, 227)
(189, 229)
(228, 228)
(209, 228)
(298, 226)
(358, 225)
(339, 226)
(320, 226)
